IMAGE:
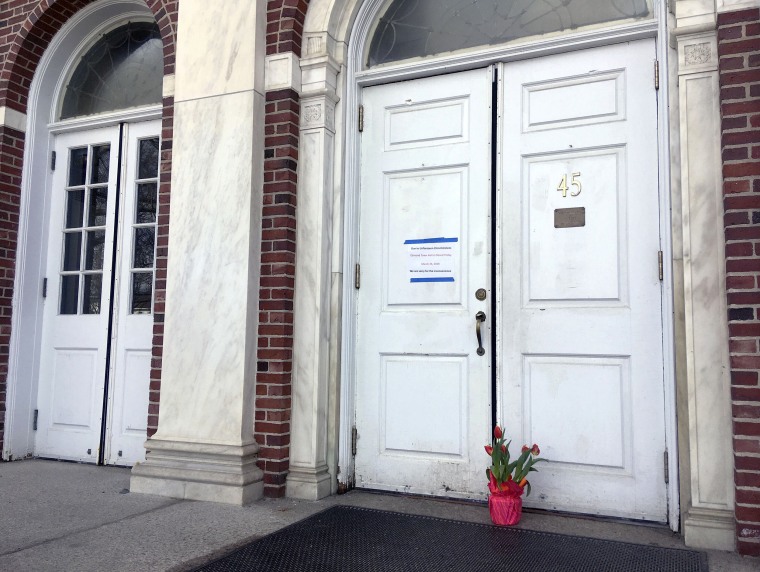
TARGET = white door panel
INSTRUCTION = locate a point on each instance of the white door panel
(75, 328)
(133, 310)
(579, 333)
(581, 341)
(423, 400)
(75, 339)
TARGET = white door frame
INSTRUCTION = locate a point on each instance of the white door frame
(355, 79)
(34, 210)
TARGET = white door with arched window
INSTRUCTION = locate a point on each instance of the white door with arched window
(95, 352)
(508, 239)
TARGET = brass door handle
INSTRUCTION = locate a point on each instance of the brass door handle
(479, 318)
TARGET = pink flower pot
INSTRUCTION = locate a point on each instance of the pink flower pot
(505, 508)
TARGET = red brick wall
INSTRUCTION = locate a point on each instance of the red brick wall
(26, 28)
(278, 247)
(285, 20)
(739, 51)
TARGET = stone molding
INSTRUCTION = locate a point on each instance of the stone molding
(199, 471)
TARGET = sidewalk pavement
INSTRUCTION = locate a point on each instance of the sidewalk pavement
(66, 516)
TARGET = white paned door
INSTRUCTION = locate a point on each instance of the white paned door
(580, 303)
(424, 393)
(577, 304)
(97, 317)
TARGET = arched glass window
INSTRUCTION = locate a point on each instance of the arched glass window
(123, 69)
(414, 28)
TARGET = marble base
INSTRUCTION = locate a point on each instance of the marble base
(199, 471)
(309, 484)
(711, 529)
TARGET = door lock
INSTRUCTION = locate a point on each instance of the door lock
(480, 294)
(480, 317)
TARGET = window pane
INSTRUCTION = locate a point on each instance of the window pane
(142, 290)
(144, 241)
(95, 249)
(98, 206)
(69, 294)
(74, 209)
(148, 159)
(92, 291)
(145, 210)
(101, 158)
(72, 250)
(415, 28)
(77, 166)
(123, 69)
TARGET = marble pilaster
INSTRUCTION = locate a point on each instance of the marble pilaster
(708, 520)
(309, 476)
(204, 447)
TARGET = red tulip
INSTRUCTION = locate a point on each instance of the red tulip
(504, 449)
(525, 448)
(497, 432)
(535, 450)
(489, 449)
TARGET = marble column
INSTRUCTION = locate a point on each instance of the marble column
(309, 476)
(204, 447)
(709, 503)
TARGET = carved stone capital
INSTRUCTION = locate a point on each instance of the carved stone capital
(318, 112)
(697, 53)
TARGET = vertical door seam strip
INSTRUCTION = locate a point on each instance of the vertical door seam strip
(112, 286)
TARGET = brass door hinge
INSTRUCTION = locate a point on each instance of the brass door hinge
(354, 438)
(659, 264)
(357, 276)
(656, 74)
(361, 118)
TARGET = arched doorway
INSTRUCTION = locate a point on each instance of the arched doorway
(537, 369)
(81, 351)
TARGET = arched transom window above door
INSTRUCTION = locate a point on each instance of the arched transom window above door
(417, 28)
(121, 70)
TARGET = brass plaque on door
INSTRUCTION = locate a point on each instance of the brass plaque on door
(569, 218)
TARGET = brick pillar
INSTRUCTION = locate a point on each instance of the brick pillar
(739, 51)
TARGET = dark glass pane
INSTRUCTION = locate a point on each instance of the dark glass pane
(96, 240)
(74, 209)
(101, 160)
(416, 28)
(72, 250)
(98, 206)
(145, 210)
(92, 291)
(148, 159)
(144, 241)
(142, 291)
(69, 294)
(123, 69)
(77, 166)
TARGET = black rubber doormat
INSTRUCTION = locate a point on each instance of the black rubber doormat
(347, 539)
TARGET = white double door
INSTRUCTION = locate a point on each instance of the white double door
(541, 194)
(95, 354)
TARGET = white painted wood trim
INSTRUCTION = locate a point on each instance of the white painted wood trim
(666, 244)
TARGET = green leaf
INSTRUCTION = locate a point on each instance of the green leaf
(527, 487)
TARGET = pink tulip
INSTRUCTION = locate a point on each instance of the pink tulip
(525, 448)
(535, 450)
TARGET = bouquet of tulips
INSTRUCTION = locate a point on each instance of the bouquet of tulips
(505, 476)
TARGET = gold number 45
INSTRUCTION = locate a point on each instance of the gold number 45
(574, 181)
